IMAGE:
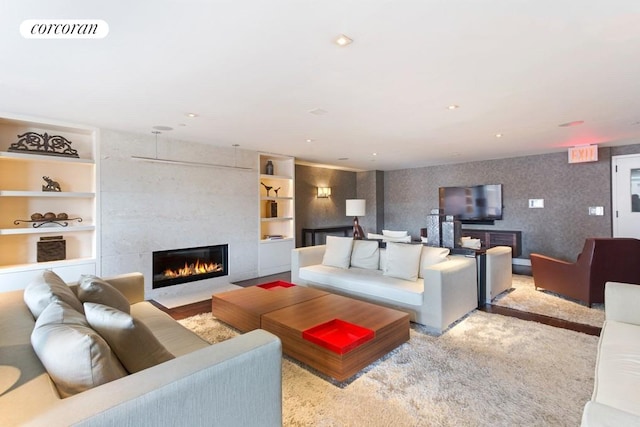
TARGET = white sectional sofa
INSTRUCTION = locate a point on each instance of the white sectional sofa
(616, 395)
(436, 289)
(234, 383)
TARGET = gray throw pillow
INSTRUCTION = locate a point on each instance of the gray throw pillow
(94, 289)
(130, 339)
(46, 288)
(74, 355)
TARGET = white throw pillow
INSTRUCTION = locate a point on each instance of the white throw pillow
(46, 288)
(391, 233)
(365, 254)
(94, 289)
(432, 255)
(337, 252)
(403, 261)
(74, 355)
(130, 339)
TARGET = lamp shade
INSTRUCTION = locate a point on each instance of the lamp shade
(356, 207)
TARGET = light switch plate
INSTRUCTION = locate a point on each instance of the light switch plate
(596, 210)
(536, 203)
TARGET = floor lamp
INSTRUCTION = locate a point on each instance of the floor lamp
(355, 208)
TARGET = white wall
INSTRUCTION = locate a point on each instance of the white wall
(153, 206)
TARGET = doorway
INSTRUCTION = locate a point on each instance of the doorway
(625, 192)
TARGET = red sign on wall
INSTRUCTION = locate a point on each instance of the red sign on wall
(583, 153)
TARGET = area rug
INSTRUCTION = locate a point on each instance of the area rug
(487, 370)
(524, 297)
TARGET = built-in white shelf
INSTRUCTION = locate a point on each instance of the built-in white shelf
(52, 194)
(276, 198)
(265, 176)
(284, 239)
(45, 229)
(280, 218)
(40, 157)
(16, 268)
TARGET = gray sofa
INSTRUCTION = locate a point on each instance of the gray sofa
(616, 398)
(233, 383)
(442, 293)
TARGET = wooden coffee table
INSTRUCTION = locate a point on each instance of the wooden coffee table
(242, 308)
(391, 328)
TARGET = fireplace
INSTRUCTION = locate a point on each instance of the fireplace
(177, 266)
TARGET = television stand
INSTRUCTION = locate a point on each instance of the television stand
(492, 238)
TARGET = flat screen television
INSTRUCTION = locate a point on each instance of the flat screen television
(476, 204)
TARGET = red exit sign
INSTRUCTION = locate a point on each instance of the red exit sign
(584, 153)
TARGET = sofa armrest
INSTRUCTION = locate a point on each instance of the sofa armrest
(303, 257)
(131, 285)
(450, 291)
(237, 382)
(621, 302)
(498, 273)
(598, 415)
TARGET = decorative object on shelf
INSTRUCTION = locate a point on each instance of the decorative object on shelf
(54, 145)
(355, 208)
(324, 192)
(276, 190)
(51, 184)
(272, 209)
(269, 167)
(268, 187)
(52, 248)
(38, 220)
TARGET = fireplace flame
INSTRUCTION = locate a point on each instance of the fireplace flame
(193, 269)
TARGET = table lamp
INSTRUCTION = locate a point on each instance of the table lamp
(355, 208)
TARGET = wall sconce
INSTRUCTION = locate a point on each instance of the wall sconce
(324, 192)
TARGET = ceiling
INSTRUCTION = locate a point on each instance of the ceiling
(257, 72)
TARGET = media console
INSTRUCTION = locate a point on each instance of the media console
(492, 238)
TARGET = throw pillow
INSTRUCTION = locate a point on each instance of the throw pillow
(74, 355)
(130, 339)
(46, 288)
(337, 252)
(94, 289)
(432, 255)
(403, 261)
(365, 254)
(391, 233)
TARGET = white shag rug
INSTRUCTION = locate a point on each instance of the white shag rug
(524, 297)
(487, 370)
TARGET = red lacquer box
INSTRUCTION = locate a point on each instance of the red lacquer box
(276, 284)
(338, 336)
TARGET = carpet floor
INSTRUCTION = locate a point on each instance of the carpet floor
(487, 370)
(524, 297)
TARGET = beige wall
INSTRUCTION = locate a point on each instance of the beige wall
(152, 206)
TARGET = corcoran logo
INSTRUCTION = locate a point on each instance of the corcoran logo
(64, 29)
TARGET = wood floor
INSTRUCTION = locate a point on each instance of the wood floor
(205, 307)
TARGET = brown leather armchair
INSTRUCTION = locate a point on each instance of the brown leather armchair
(602, 260)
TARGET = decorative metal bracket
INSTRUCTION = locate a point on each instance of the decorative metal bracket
(54, 145)
(40, 222)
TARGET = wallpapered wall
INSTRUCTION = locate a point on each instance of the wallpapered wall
(557, 230)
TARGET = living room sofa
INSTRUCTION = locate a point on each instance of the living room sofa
(233, 383)
(442, 290)
(616, 400)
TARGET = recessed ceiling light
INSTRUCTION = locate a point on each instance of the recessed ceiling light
(343, 40)
(235, 145)
(318, 111)
(375, 154)
(309, 140)
(162, 128)
(498, 135)
(570, 124)
(453, 107)
(181, 124)
(191, 115)
(343, 158)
